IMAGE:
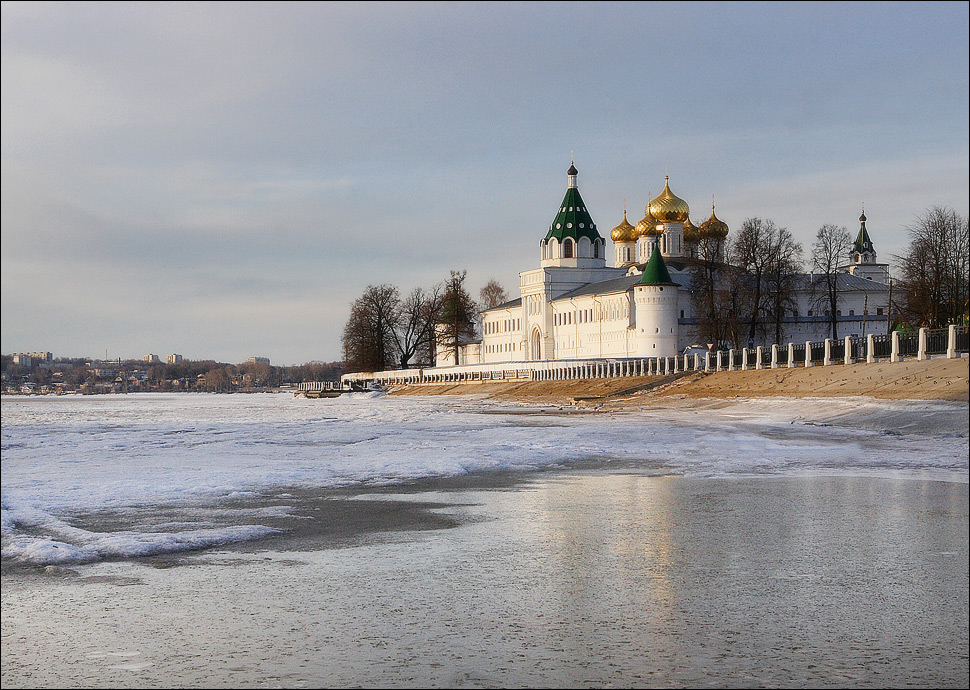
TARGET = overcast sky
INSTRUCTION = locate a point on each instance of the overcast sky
(222, 180)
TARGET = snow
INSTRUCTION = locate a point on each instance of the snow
(63, 455)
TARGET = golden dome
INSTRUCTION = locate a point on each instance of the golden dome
(647, 227)
(713, 226)
(624, 232)
(667, 207)
(691, 233)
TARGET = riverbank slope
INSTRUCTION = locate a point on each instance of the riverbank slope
(934, 379)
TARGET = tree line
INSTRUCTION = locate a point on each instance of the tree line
(744, 287)
(386, 330)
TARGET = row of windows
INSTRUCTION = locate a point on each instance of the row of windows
(501, 347)
(567, 250)
(503, 326)
(618, 309)
(838, 312)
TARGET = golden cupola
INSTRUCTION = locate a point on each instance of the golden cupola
(624, 232)
(647, 226)
(668, 207)
(691, 233)
(713, 226)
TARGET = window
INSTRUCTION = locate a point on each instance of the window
(567, 249)
(852, 312)
(879, 311)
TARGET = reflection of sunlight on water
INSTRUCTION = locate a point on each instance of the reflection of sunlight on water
(611, 541)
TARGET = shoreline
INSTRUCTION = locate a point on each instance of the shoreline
(933, 379)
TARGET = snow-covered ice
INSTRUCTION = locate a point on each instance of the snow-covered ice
(69, 454)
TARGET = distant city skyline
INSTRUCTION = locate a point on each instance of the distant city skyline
(223, 180)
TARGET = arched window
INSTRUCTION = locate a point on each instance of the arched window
(596, 250)
(567, 249)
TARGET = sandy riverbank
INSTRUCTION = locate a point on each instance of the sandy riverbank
(935, 379)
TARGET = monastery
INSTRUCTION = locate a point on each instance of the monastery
(575, 306)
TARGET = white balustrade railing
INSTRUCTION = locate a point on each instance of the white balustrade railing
(922, 345)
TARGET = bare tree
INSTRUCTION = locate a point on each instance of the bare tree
(492, 295)
(707, 274)
(751, 252)
(458, 314)
(368, 337)
(414, 330)
(831, 250)
(781, 274)
(935, 269)
(735, 304)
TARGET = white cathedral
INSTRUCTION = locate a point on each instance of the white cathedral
(575, 306)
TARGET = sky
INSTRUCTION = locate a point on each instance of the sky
(221, 181)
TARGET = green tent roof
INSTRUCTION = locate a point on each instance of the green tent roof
(573, 220)
(655, 272)
(862, 242)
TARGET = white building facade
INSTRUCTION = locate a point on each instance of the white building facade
(576, 307)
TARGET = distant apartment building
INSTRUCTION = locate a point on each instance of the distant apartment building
(29, 359)
(257, 360)
(151, 359)
(173, 359)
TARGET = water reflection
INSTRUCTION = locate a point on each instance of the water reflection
(782, 578)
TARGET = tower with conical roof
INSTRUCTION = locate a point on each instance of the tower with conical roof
(572, 239)
(573, 254)
(862, 256)
(656, 302)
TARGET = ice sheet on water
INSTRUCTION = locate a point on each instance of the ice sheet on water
(64, 454)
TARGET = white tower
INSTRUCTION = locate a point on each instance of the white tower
(656, 300)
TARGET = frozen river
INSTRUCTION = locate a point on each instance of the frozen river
(264, 540)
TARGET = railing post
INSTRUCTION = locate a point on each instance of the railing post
(870, 348)
(921, 352)
(847, 351)
(791, 355)
(951, 342)
(719, 365)
(758, 355)
(808, 353)
(744, 359)
(707, 361)
(894, 353)
(731, 359)
(774, 355)
(828, 352)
